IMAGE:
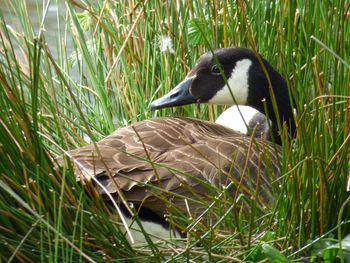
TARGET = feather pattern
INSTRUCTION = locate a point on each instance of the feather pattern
(177, 158)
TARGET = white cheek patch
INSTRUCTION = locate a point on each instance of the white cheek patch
(238, 83)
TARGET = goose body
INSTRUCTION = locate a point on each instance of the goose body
(175, 158)
(168, 164)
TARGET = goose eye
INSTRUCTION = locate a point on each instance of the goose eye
(215, 70)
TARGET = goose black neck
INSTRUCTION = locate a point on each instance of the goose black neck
(260, 98)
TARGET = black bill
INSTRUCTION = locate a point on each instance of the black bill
(180, 95)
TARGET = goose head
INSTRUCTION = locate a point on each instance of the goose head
(234, 76)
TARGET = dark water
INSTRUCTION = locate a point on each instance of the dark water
(48, 17)
(36, 10)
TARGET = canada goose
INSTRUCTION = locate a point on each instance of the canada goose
(247, 84)
(245, 119)
(159, 164)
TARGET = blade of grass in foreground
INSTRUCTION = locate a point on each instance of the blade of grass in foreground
(39, 218)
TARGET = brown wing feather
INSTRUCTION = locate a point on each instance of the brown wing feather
(172, 157)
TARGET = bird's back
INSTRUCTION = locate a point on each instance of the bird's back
(171, 158)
